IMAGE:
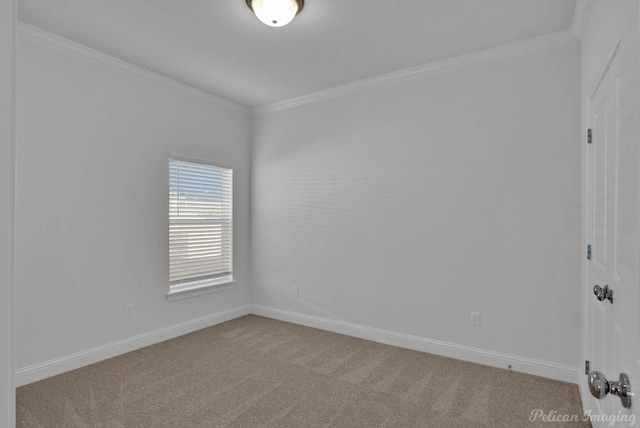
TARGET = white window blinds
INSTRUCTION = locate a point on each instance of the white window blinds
(200, 226)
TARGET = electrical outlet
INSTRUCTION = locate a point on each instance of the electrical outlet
(128, 310)
(475, 318)
(294, 290)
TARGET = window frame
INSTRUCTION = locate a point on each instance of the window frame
(198, 287)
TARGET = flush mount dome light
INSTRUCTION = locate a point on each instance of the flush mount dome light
(276, 13)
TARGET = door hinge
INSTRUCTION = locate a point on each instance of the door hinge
(589, 136)
(586, 367)
(588, 252)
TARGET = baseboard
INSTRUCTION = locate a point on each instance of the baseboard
(466, 353)
(77, 360)
(74, 361)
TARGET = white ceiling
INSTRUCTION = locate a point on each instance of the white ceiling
(220, 47)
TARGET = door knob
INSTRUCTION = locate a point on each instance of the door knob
(603, 293)
(600, 387)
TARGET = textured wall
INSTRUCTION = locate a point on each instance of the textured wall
(408, 206)
(92, 201)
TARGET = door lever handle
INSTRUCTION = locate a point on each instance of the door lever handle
(601, 293)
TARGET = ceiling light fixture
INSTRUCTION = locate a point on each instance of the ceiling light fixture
(276, 13)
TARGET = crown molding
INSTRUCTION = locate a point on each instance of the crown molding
(53, 41)
(581, 17)
(523, 47)
(498, 53)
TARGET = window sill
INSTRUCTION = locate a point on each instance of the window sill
(199, 289)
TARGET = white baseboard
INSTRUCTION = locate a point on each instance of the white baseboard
(74, 361)
(77, 360)
(466, 353)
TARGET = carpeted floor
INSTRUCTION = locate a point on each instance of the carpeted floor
(258, 372)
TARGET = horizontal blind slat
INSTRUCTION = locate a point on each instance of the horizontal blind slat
(188, 254)
(206, 265)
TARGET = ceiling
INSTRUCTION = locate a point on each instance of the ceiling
(220, 47)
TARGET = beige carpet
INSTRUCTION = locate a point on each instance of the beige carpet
(258, 372)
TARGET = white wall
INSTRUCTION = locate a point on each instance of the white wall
(408, 206)
(7, 206)
(403, 207)
(92, 201)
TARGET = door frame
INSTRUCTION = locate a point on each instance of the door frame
(7, 210)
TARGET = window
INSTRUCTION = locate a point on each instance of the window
(200, 225)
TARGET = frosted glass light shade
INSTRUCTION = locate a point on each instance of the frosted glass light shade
(275, 13)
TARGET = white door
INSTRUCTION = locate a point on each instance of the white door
(613, 213)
